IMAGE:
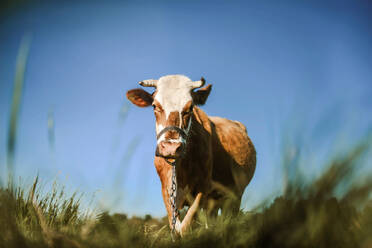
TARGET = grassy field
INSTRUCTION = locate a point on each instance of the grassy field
(305, 215)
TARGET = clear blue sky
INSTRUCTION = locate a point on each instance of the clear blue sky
(288, 68)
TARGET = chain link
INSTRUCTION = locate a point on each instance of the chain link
(173, 196)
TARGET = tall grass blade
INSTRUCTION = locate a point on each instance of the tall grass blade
(16, 103)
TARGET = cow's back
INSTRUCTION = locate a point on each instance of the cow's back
(234, 156)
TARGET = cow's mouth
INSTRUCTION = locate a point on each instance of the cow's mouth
(170, 160)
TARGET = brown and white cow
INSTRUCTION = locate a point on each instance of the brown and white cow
(215, 157)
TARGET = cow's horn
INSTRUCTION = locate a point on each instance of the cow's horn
(149, 83)
(198, 84)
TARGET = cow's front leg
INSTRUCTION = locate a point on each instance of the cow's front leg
(165, 173)
(181, 227)
(168, 206)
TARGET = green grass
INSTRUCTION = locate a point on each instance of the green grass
(305, 215)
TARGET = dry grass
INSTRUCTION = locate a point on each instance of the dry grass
(305, 215)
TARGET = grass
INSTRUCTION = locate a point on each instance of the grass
(331, 210)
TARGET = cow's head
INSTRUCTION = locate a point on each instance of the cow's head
(173, 102)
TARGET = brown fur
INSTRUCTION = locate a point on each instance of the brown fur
(219, 162)
(159, 113)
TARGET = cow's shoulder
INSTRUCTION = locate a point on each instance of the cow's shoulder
(202, 118)
(233, 137)
(224, 123)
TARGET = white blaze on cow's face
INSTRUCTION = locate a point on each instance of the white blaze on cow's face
(173, 106)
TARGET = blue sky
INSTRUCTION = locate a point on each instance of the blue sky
(283, 69)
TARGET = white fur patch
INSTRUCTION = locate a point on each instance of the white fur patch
(158, 127)
(178, 225)
(173, 93)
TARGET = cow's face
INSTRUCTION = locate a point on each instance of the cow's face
(173, 102)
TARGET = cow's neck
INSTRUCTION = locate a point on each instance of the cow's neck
(199, 134)
(194, 166)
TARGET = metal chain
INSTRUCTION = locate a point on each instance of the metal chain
(173, 196)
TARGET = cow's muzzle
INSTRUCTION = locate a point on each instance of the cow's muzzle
(170, 149)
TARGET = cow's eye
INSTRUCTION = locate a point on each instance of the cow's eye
(156, 109)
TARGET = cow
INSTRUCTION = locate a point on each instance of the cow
(212, 157)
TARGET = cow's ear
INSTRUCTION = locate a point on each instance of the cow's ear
(200, 96)
(140, 97)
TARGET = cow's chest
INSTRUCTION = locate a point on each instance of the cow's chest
(182, 195)
(192, 178)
